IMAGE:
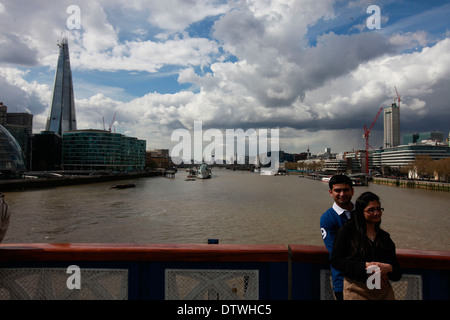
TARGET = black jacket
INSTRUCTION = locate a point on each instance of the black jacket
(382, 249)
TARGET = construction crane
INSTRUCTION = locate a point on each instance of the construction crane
(366, 136)
(398, 96)
(112, 122)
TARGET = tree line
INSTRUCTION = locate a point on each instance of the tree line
(424, 167)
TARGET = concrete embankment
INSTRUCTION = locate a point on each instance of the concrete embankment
(431, 185)
(23, 184)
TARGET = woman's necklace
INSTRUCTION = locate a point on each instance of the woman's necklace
(371, 236)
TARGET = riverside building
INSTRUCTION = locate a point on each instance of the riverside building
(404, 155)
(102, 150)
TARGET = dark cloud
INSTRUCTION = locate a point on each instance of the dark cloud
(15, 51)
(19, 100)
(435, 114)
(242, 34)
(335, 55)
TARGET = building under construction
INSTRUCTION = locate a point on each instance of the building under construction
(391, 126)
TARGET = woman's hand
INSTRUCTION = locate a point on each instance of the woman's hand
(385, 268)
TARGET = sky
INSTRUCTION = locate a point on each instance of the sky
(317, 71)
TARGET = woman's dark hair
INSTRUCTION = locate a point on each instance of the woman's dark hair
(360, 237)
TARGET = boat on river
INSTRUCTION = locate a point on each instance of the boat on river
(203, 171)
(268, 172)
(124, 186)
(358, 182)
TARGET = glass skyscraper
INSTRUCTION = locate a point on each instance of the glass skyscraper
(62, 114)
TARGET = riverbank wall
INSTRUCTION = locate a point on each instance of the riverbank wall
(421, 184)
(24, 184)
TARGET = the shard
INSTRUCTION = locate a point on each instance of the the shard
(62, 114)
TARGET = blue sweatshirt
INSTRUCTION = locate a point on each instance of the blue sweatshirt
(330, 222)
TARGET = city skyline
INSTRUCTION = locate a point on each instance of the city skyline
(317, 71)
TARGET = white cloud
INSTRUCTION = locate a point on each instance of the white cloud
(99, 34)
(148, 55)
(177, 15)
(410, 39)
(16, 78)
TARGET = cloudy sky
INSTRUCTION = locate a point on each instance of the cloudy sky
(316, 70)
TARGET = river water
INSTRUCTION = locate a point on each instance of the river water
(234, 207)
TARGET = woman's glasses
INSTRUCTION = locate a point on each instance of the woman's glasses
(373, 210)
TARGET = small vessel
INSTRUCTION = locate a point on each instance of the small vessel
(358, 182)
(192, 173)
(326, 179)
(124, 186)
(265, 172)
(203, 171)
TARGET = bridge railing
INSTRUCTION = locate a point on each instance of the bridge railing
(194, 272)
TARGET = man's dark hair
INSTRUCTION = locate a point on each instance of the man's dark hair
(340, 179)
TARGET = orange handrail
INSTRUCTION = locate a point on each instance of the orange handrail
(141, 252)
(199, 252)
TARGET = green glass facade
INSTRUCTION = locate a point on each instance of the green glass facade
(99, 150)
(418, 137)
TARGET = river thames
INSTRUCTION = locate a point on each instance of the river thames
(233, 206)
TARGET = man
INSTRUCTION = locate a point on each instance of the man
(341, 190)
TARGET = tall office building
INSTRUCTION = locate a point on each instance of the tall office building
(391, 126)
(62, 114)
(3, 113)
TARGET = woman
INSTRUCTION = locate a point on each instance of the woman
(360, 244)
